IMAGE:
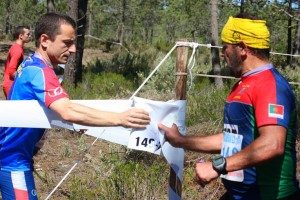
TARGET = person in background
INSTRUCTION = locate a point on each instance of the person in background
(257, 146)
(36, 80)
(15, 57)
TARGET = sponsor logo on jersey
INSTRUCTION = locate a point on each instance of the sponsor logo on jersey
(238, 96)
(276, 111)
(55, 92)
(19, 70)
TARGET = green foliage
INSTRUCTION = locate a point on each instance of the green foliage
(121, 177)
(162, 82)
(25, 12)
(278, 61)
(103, 85)
(161, 45)
(130, 66)
(67, 152)
(157, 22)
(293, 76)
(205, 103)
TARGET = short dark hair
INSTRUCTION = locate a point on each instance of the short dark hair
(49, 24)
(247, 16)
(260, 53)
(19, 30)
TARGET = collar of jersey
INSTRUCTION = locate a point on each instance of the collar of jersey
(39, 56)
(257, 70)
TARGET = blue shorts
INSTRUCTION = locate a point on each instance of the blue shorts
(17, 185)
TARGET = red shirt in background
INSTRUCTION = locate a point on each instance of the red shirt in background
(14, 59)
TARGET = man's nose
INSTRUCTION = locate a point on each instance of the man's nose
(72, 48)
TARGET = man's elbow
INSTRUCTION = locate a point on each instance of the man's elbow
(63, 107)
(65, 117)
(277, 150)
(72, 117)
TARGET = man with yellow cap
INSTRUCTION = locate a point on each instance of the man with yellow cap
(257, 146)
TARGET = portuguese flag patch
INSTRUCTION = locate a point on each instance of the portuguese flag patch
(276, 111)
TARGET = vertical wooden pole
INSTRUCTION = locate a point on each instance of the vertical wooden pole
(181, 71)
(180, 94)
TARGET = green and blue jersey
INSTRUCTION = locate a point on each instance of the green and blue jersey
(262, 97)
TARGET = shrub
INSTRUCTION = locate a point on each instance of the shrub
(130, 66)
(101, 86)
(119, 176)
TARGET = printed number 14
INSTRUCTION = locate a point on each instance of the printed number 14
(145, 142)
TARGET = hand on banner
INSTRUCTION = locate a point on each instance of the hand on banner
(172, 134)
(135, 118)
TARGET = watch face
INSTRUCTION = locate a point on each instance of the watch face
(218, 161)
(219, 164)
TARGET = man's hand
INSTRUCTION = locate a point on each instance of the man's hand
(204, 173)
(172, 134)
(135, 118)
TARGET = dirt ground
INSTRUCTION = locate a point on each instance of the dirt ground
(51, 158)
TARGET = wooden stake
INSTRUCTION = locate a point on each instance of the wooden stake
(180, 94)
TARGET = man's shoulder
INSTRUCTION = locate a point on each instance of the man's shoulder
(16, 46)
(32, 61)
(15, 49)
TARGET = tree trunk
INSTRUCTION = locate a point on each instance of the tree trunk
(151, 36)
(214, 42)
(70, 68)
(121, 33)
(167, 34)
(81, 29)
(289, 34)
(294, 60)
(146, 30)
(121, 26)
(50, 6)
(242, 6)
(90, 27)
(7, 18)
(73, 69)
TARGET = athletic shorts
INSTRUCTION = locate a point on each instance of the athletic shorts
(17, 185)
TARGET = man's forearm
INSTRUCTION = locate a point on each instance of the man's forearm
(208, 144)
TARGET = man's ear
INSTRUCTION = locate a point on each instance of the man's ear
(20, 36)
(242, 45)
(44, 40)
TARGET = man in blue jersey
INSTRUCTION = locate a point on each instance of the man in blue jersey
(36, 80)
(257, 145)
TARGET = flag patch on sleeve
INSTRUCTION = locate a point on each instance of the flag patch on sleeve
(276, 111)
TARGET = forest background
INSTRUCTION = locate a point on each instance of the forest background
(119, 43)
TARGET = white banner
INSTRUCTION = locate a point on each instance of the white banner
(23, 113)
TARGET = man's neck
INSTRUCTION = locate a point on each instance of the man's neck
(45, 57)
(253, 62)
(20, 42)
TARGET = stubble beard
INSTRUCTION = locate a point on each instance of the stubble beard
(235, 66)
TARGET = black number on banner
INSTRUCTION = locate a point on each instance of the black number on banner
(145, 142)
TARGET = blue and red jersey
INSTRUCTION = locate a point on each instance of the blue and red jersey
(263, 97)
(35, 80)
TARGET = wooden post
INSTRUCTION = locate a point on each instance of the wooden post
(181, 71)
(180, 94)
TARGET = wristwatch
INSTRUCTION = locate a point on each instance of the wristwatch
(219, 164)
